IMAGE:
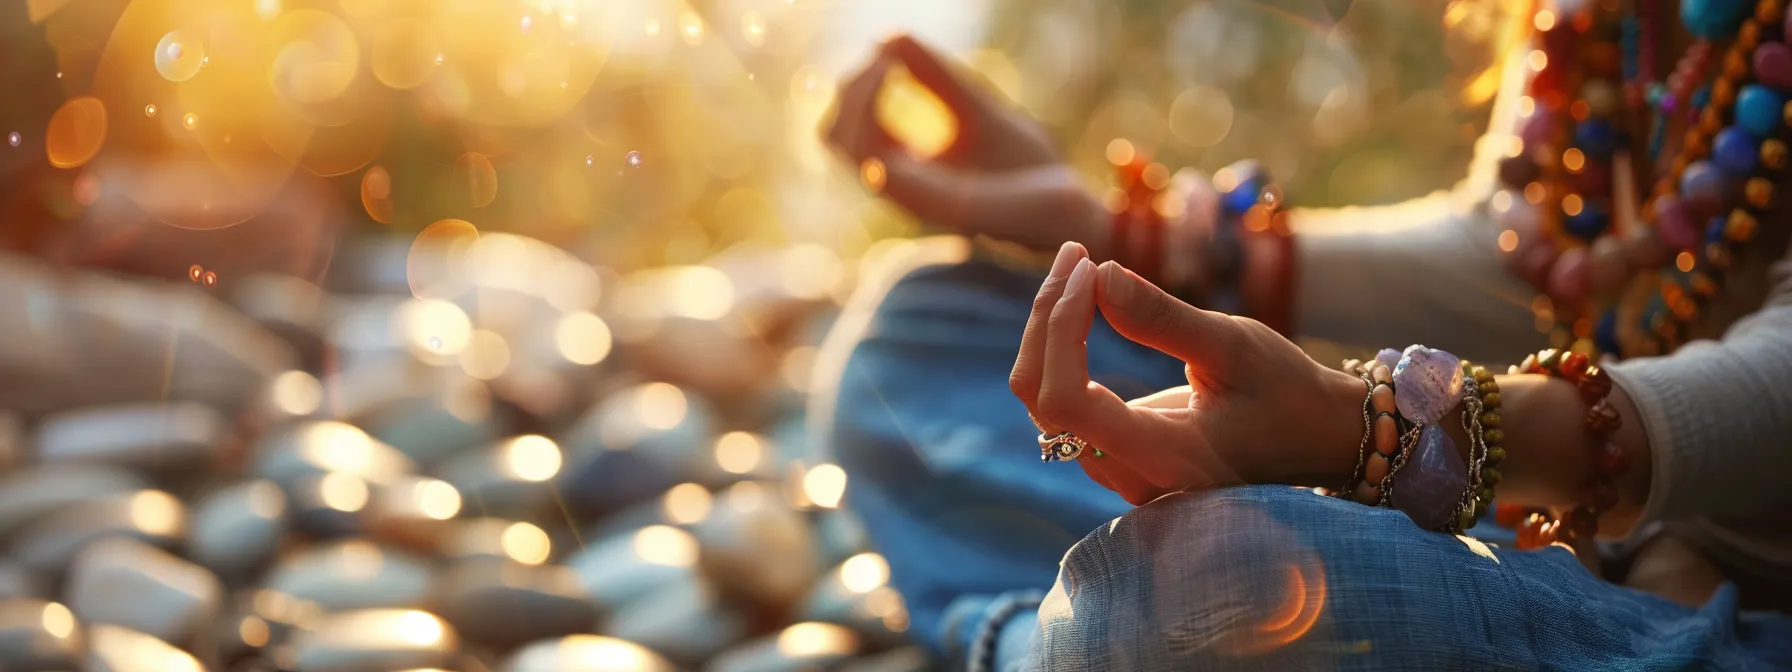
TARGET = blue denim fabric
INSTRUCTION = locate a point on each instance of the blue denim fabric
(944, 471)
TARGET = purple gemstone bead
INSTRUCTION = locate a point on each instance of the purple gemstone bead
(1389, 357)
(1675, 224)
(1429, 486)
(1427, 383)
(1702, 185)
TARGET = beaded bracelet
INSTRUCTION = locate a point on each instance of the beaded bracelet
(1380, 451)
(1581, 523)
(1489, 451)
(1137, 233)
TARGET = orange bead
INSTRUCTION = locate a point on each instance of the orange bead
(1367, 495)
(1375, 469)
(1381, 375)
(1387, 435)
(1768, 12)
(1382, 399)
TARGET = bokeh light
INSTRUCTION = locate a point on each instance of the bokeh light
(76, 132)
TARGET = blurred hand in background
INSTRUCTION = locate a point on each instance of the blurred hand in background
(1000, 177)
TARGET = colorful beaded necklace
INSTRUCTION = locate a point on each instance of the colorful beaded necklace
(1617, 279)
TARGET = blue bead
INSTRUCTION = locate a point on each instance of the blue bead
(1702, 183)
(1596, 137)
(1714, 232)
(1700, 97)
(1758, 110)
(1588, 223)
(1605, 335)
(1714, 19)
(1735, 150)
(1241, 198)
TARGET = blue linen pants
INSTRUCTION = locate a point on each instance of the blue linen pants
(944, 470)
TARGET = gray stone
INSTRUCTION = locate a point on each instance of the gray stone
(353, 574)
(497, 538)
(17, 582)
(682, 620)
(799, 646)
(39, 636)
(49, 545)
(619, 570)
(857, 594)
(502, 604)
(152, 436)
(585, 653)
(261, 621)
(113, 648)
(511, 478)
(905, 659)
(751, 522)
(633, 446)
(839, 534)
(237, 529)
(415, 512)
(29, 495)
(127, 583)
(313, 449)
(373, 640)
(331, 506)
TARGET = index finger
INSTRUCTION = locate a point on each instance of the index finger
(1029, 364)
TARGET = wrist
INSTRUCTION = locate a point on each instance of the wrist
(1324, 450)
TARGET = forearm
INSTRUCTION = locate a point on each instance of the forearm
(1425, 271)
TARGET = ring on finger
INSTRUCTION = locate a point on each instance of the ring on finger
(1063, 447)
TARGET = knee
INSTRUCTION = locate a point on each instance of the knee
(1213, 578)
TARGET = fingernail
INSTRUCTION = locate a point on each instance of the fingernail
(1118, 287)
(1065, 261)
(1080, 278)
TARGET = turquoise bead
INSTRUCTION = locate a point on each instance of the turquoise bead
(1715, 19)
(1758, 110)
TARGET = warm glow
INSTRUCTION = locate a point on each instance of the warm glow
(1572, 205)
(1526, 106)
(1120, 152)
(58, 620)
(593, 652)
(864, 572)
(825, 484)
(699, 292)
(420, 628)
(486, 356)
(1574, 160)
(1537, 60)
(744, 496)
(253, 631)
(687, 503)
(437, 499)
(797, 365)
(1514, 146)
(343, 491)
(1684, 262)
(1544, 20)
(297, 393)
(739, 452)
(660, 405)
(810, 271)
(871, 174)
(1534, 193)
(665, 545)
(883, 602)
(526, 543)
(336, 446)
(155, 512)
(1508, 240)
(1501, 201)
(532, 457)
(435, 327)
(804, 640)
(122, 648)
(914, 114)
(582, 338)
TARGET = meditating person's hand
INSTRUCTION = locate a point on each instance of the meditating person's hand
(1000, 177)
(1256, 409)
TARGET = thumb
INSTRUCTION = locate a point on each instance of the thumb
(1149, 316)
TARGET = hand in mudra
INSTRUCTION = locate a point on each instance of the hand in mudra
(1000, 177)
(1256, 408)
